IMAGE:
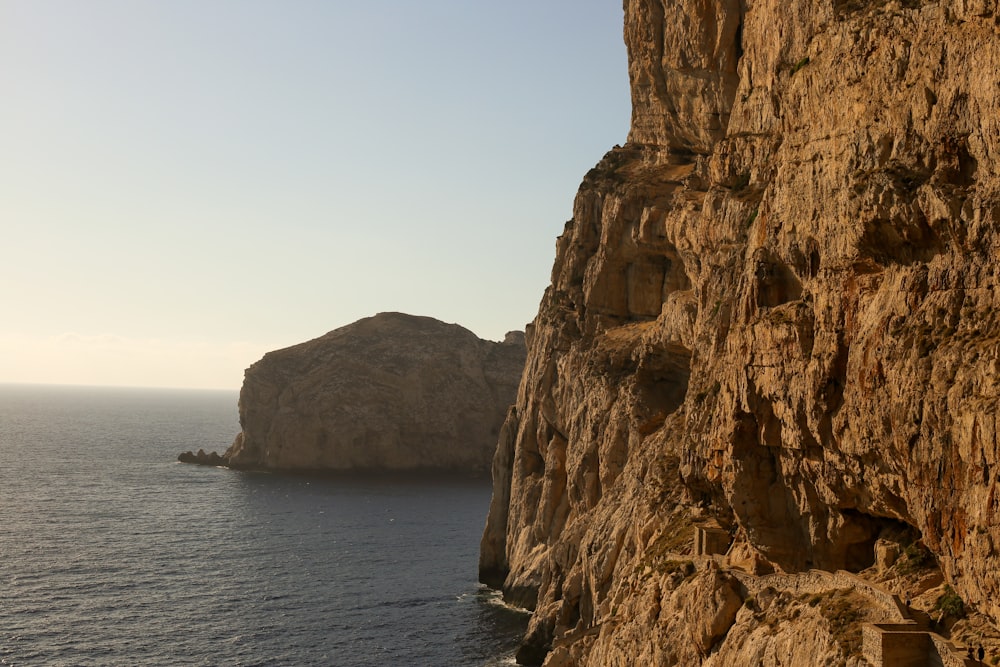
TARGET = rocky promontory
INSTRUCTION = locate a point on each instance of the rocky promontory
(393, 392)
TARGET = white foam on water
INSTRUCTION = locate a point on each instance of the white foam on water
(495, 597)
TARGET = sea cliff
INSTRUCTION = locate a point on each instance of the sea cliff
(775, 308)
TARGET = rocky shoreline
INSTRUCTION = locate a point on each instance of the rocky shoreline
(201, 457)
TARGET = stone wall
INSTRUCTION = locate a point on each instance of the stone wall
(906, 645)
(888, 601)
(888, 645)
(945, 654)
(819, 581)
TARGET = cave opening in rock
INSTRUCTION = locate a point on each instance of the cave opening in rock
(860, 533)
(661, 381)
(775, 282)
(762, 498)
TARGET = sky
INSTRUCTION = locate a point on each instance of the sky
(187, 184)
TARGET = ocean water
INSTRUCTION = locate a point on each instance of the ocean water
(113, 554)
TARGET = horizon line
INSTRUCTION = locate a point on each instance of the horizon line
(71, 385)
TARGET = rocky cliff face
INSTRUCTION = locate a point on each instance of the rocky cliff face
(390, 392)
(776, 305)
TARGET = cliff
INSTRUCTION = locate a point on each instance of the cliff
(389, 392)
(775, 307)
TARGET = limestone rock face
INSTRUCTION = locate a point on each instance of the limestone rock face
(778, 303)
(389, 392)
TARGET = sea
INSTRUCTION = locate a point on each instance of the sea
(112, 553)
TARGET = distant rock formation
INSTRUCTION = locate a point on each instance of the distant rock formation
(392, 392)
(201, 457)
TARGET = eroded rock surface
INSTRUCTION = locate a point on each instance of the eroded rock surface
(777, 304)
(201, 457)
(389, 392)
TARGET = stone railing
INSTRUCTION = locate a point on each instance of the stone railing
(889, 601)
(946, 651)
(803, 583)
(819, 581)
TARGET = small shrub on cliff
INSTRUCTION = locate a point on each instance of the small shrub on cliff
(675, 539)
(799, 65)
(674, 572)
(684, 567)
(915, 557)
(950, 604)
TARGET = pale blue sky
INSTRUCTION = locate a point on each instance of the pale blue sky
(185, 184)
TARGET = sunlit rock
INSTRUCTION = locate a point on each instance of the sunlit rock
(392, 392)
(777, 307)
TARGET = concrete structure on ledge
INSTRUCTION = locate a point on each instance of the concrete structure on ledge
(710, 539)
(909, 645)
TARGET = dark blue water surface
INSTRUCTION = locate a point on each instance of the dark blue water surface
(113, 554)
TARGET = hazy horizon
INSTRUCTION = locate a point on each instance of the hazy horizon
(112, 387)
(187, 186)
